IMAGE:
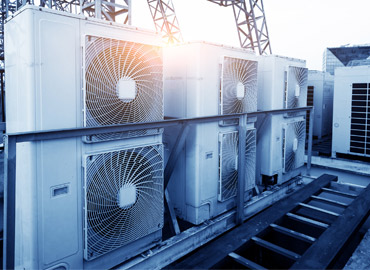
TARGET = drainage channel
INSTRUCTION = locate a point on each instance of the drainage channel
(306, 230)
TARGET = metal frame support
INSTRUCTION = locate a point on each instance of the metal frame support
(165, 20)
(175, 153)
(242, 131)
(9, 202)
(309, 147)
(223, 3)
(107, 9)
(174, 224)
(11, 141)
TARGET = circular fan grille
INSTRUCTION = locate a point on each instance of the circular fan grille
(237, 72)
(110, 224)
(297, 78)
(124, 82)
(228, 165)
(295, 133)
(250, 159)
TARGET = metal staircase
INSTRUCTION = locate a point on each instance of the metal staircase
(306, 230)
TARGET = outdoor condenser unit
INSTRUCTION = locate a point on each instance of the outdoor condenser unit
(84, 202)
(282, 84)
(351, 117)
(320, 95)
(281, 148)
(203, 79)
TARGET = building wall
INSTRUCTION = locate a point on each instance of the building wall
(344, 56)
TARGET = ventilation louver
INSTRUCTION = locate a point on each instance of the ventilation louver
(310, 100)
(228, 175)
(296, 87)
(360, 119)
(294, 135)
(123, 198)
(124, 84)
(239, 86)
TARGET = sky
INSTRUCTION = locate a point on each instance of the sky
(297, 28)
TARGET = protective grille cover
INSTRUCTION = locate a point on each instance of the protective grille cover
(123, 197)
(239, 86)
(228, 175)
(123, 83)
(294, 135)
(250, 159)
(228, 165)
(296, 92)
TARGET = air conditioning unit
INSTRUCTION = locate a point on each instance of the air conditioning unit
(281, 148)
(228, 163)
(282, 83)
(83, 202)
(203, 79)
(320, 95)
(351, 118)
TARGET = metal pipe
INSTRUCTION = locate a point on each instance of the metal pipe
(310, 135)
(76, 132)
(9, 202)
(241, 169)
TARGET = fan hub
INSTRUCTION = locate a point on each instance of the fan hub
(240, 93)
(297, 91)
(126, 89)
(295, 145)
(126, 196)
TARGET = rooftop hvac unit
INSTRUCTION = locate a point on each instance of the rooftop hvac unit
(282, 83)
(96, 215)
(351, 118)
(204, 79)
(123, 198)
(294, 134)
(238, 86)
(123, 84)
(281, 148)
(296, 89)
(321, 88)
(210, 79)
(228, 163)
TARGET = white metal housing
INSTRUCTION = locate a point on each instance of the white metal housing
(282, 83)
(281, 148)
(351, 118)
(46, 89)
(275, 79)
(203, 183)
(321, 89)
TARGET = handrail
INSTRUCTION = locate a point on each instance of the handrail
(11, 140)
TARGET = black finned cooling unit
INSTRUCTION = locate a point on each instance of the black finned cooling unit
(360, 119)
(310, 98)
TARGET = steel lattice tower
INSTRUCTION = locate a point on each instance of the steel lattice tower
(165, 20)
(251, 24)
